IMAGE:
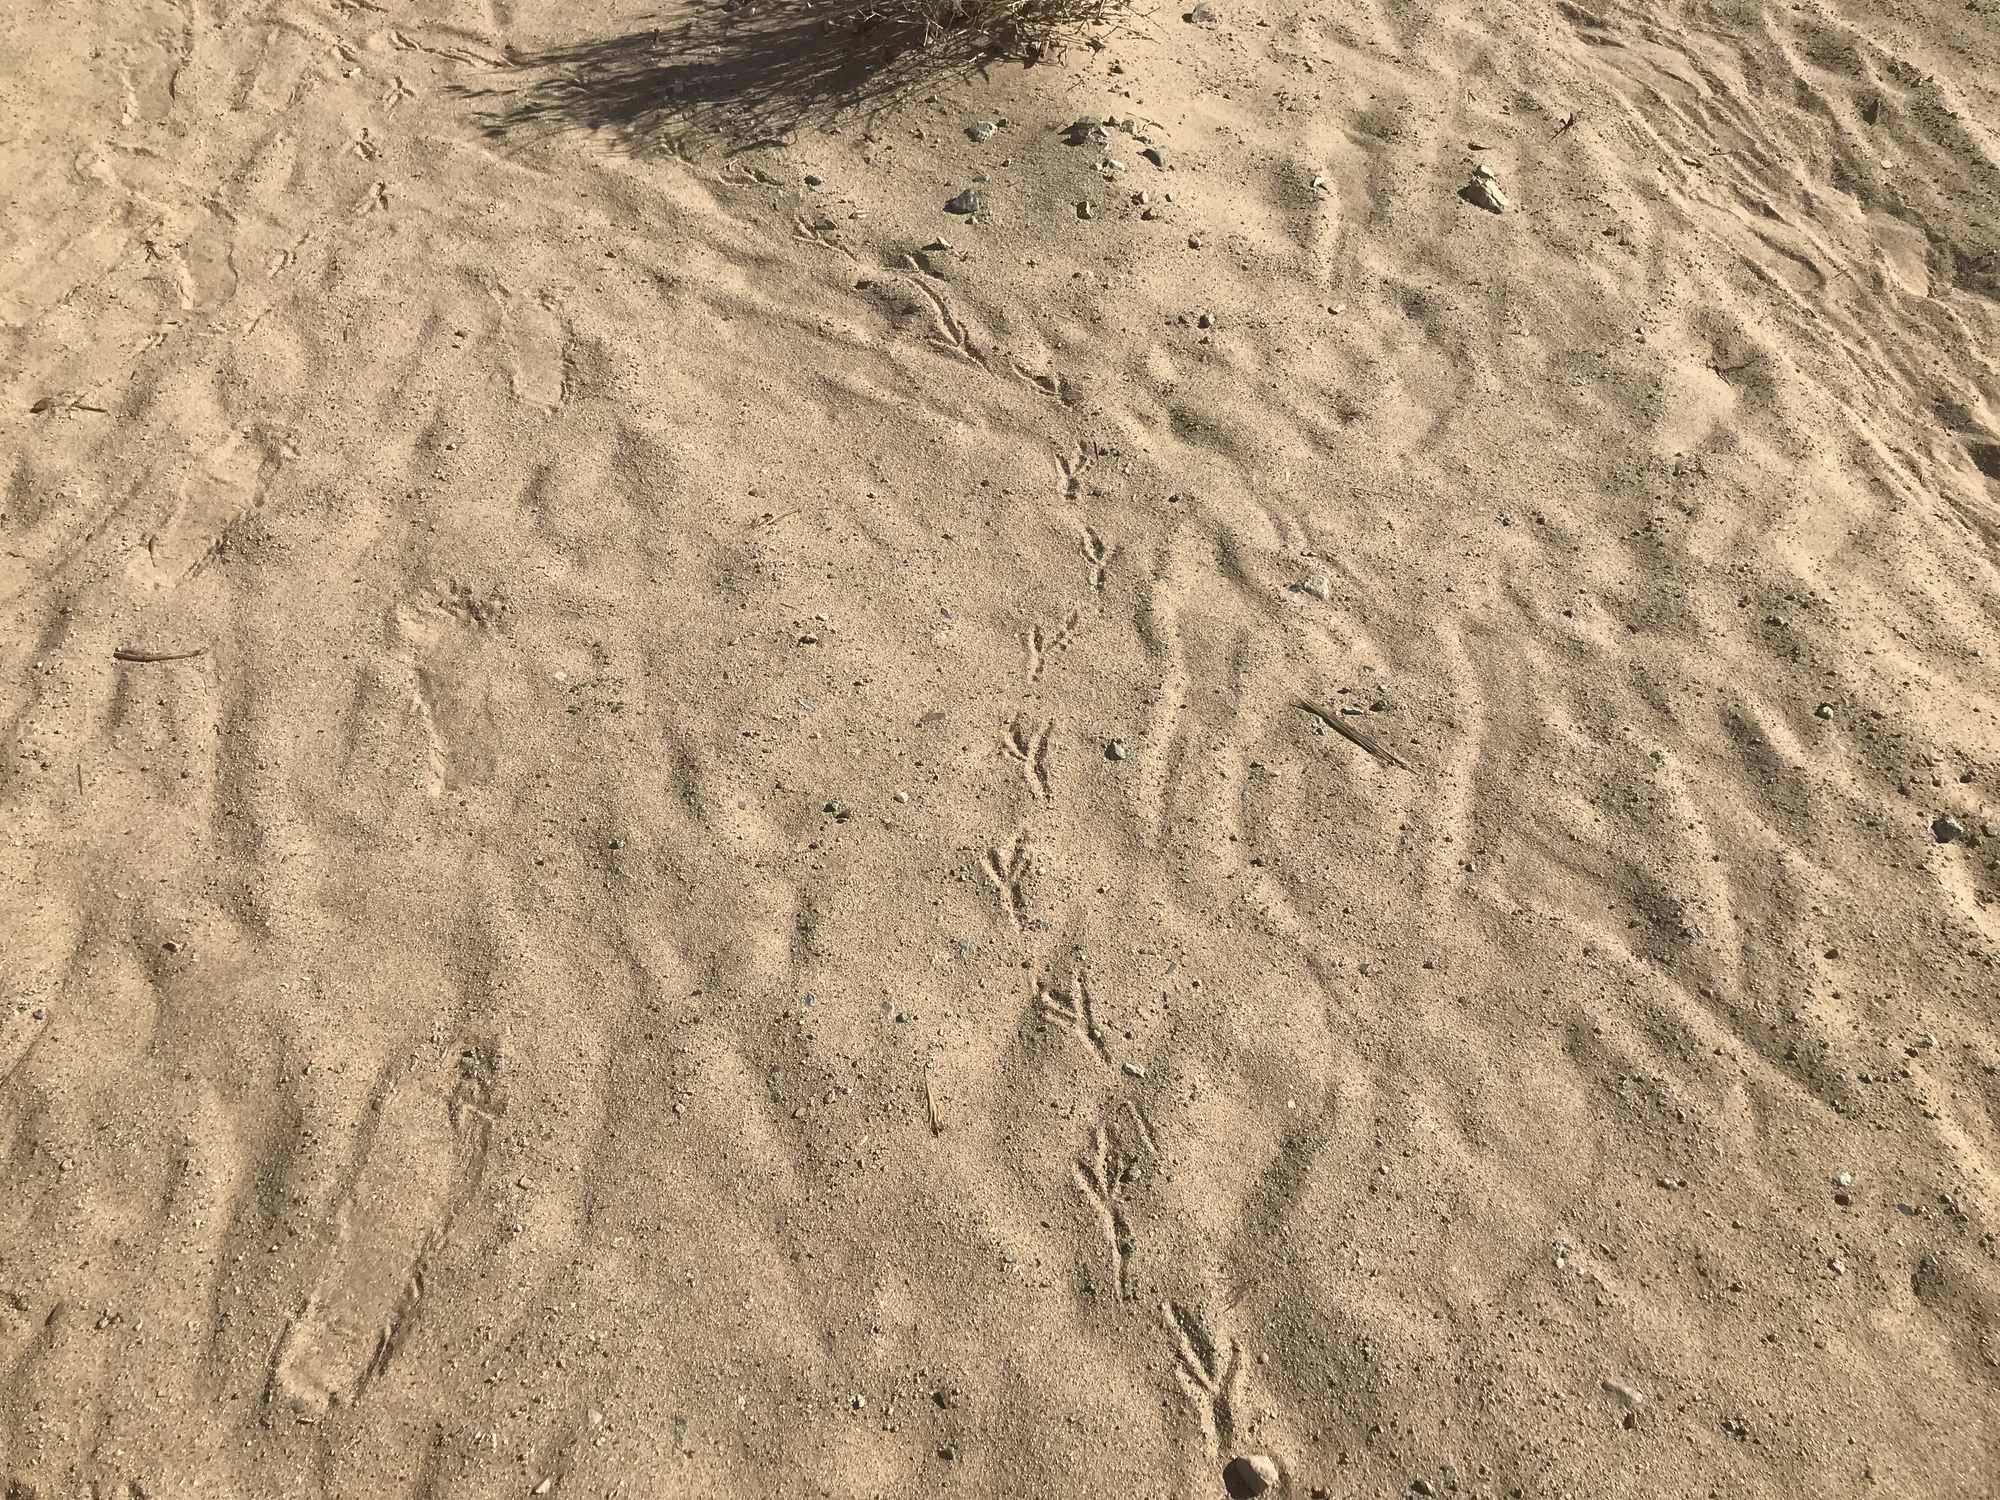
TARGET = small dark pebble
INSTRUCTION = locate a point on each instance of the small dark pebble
(1947, 830)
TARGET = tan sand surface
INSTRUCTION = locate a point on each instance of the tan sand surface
(742, 897)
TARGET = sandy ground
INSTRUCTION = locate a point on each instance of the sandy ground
(740, 899)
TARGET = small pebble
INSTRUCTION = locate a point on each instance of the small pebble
(1824, 711)
(1421, 1487)
(1133, 1070)
(813, 179)
(981, 130)
(967, 202)
(1843, 1179)
(1947, 830)
(1115, 750)
(902, 797)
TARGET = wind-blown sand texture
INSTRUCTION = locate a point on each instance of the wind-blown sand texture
(749, 891)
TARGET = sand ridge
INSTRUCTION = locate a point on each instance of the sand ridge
(662, 838)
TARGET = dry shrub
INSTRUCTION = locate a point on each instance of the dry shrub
(1029, 29)
(744, 73)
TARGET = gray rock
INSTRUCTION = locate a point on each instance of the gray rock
(981, 130)
(1947, 830)
(1626, 1395)
(1483, 192)
(1249, 1474)
(967, 202)
(1115, 750)
(1154, 155)
(1088, 133)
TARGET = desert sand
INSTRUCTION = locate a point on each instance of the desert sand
(673, 820)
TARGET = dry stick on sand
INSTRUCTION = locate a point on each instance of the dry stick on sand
(1367, 742)
(127, 653)
(930, 1102)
